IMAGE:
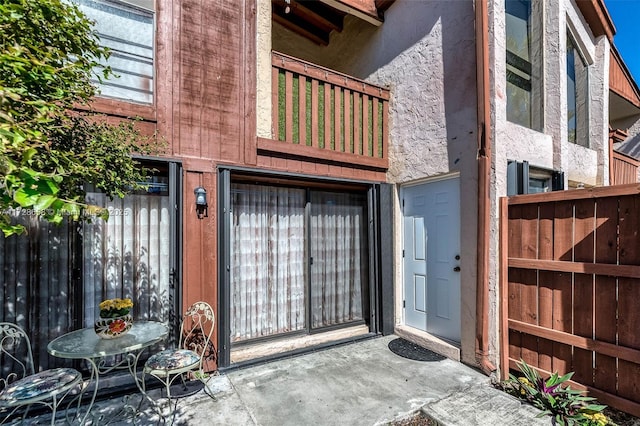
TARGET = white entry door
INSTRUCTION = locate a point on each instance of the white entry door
(432, 257)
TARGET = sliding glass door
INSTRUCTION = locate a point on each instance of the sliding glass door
(268, 258)
(299, 260)
(54, 277)
(339, 253)
(129, 255)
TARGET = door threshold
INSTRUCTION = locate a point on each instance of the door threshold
(289, 344)
(429, 341)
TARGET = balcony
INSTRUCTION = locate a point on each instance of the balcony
(319, 113)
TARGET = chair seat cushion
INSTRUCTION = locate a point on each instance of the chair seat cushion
(39, 386)
(172, 359)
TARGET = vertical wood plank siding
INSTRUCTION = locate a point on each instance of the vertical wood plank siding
(344, 115)
(625, 169)
(571, 282)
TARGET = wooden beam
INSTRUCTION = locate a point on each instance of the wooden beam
(328, 75)
(597, 16)
(298, 26)
(613, 350)
(605, 269)
(503, 290)
(383, 5)
(356, 9)
(323, 18)
(576, 194)
(310, 152)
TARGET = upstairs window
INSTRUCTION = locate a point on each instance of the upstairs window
(127, 28)
(524, 59)
(577, 95)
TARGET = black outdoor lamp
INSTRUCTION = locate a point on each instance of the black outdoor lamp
(201, 202)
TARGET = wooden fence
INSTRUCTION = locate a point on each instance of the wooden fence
(570, 288)
(624, 169)
(332, 112)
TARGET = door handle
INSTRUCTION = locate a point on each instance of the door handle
(456, 269)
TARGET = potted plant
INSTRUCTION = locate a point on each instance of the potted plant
(115, 318)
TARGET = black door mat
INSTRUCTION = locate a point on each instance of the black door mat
(406, 349)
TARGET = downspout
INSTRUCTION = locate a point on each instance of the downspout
(484, 186)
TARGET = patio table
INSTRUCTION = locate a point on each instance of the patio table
(85, 344)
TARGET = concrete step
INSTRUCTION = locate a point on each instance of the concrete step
(483, 405)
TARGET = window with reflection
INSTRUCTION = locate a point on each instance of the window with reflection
(577, 95)
(127, 28)
(524, 62)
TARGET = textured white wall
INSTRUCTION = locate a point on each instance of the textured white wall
(548, 148)
(263, 68)
(425, 53)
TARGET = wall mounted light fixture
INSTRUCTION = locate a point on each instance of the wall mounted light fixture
(202, 209)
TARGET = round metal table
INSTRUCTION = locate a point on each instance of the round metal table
(85, 344)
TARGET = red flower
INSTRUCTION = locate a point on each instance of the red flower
(117, 326)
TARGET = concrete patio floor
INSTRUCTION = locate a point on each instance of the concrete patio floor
(361, 383)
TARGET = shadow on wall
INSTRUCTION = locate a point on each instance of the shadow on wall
(425, 53)
(631, 146)
(44, 292)
(118, 272)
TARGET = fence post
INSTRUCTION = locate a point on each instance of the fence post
(503, 281)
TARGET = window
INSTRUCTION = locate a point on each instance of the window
(54, 277)
(129, 255)
(127, 28)
(577, 95)
(539, 181)
(523, 179)
(524, 59)
(299, 260)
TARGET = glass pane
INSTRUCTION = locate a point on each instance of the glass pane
(36, 277)
(537, 185)
(577, 95)
(268, 294)
(129, 255)
(571, 92)
(129, 32)
(523, 63)
(339, 273)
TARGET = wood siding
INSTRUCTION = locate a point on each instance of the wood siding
(621, 81)
(204, 112)
(625, 169)
(570, 275)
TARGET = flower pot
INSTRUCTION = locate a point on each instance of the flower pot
(111, 328)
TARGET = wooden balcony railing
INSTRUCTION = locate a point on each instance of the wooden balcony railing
(320, 113)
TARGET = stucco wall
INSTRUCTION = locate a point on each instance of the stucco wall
(425, 53)
(263, 68)
(547, 148)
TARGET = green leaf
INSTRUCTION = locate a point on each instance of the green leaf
(25, 197)
(28, 154)
(44, 202)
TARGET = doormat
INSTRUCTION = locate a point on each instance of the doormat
(406, 349)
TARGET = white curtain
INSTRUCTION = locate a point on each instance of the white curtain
(267, 261)
(36, 270)
(128, 255)
(339, 252)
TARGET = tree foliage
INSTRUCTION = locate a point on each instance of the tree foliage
(49, 53)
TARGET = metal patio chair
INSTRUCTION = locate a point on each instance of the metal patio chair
(193, 348)
(20, 385)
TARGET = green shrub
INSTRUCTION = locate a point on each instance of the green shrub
(555, 398)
